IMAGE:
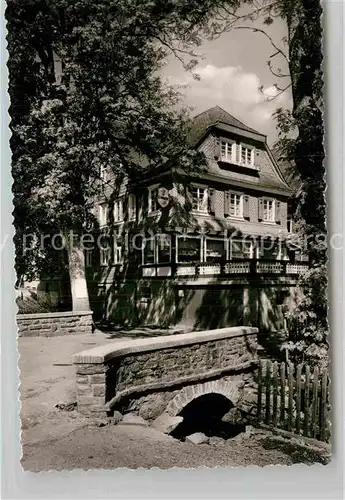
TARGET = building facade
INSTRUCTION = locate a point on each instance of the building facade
(202, 249)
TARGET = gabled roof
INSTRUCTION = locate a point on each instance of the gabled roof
(288, 170)
(211, 117)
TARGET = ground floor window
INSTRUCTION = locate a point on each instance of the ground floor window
(149, 251)
(215, 250)
(241, 248)
(157, 250)
(163, 248)
(188, 249)
(268, 248)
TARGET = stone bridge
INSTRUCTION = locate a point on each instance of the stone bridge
(163, 374)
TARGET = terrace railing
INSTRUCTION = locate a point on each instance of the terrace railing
(228, 268)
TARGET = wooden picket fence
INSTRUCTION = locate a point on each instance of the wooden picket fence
(295, 399)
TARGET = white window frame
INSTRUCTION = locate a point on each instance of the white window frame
(118, 255)
(103, 173)
(230, 150)
(226, 250)
(247, 148)
(178, 237)
(154, 210)
(88, 258)
(103, 214)
(148, 241)
(240, 196)
(279, 253)
(132, 207)
(273, 218)
(118, 210)
(203, 208)
(242, 242)
(157, 248)
(104, 256)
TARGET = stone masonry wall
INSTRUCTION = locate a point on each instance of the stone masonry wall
(54, 324)
(151, 370)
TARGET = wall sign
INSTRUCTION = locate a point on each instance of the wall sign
(163, 197)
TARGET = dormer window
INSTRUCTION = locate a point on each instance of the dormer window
(238, 154)
(247, 155)
(227, 151)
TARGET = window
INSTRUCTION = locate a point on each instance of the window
(188, 249)
(247, 155)
(153, 203)
(269, 249)
(132, 207)
(215, 250)
(157, 250)
(236, 153)
(118, 210)
(163, 242)
(104, 256)
(117, 251)
(227, 150)
(236, 205)
(269, 210)
(88, 258)
(199, 199)
(289, 225)
(103, 173)
(149, 251)
(241, 249)
(103, 214)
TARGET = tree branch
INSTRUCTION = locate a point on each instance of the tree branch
(259, 30)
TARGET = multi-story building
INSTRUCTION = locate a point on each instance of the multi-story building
(202, 249)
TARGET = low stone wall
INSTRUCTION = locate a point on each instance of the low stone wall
(149, 373)
(54, 324)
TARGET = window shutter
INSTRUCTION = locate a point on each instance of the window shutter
(226, 204)
(246, 207)
(261, 209)
(140, 205)
(217, 152)
(277, 212)
(212, 201)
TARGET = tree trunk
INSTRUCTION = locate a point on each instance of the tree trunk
(76, 265)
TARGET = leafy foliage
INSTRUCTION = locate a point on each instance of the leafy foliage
(85, 92)
(307, 323)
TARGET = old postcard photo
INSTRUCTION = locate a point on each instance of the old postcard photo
(170, 233)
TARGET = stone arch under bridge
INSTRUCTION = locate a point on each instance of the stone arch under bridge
(229, 389)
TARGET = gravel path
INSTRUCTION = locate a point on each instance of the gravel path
(134, 446)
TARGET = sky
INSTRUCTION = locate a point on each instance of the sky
(232, 69)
